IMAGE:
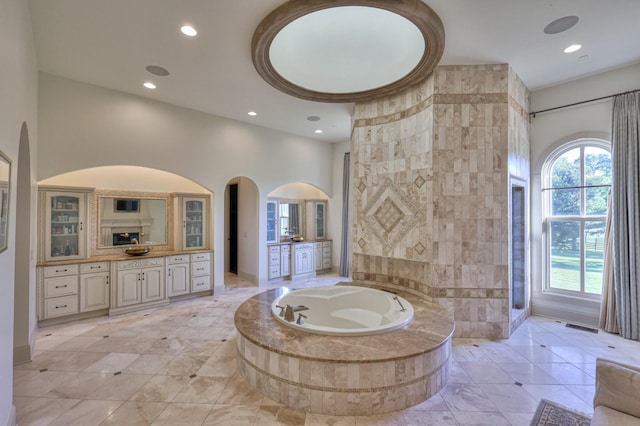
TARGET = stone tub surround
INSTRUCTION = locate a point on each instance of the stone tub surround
(431, 191)
(357, 375)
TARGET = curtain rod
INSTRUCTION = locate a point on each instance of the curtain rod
(581, 102)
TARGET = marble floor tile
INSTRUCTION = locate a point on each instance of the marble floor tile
(527, 373)
(87, 413)
(202, 390)
(482, 372)
(466, 397)
(148, 364)
(76, 343)
(509, 398)
(584, 392)
(518, 419)
(183, 365)
(567, 373)
(112, 363)
(224, 415)
(239, 392)
(324, 420)
(480, 419)
(537, 354)
(183, 414)
(135, 414)
(389, 419)
(573, 354)
(79, 386)
(43, 411)
(274, 415)
(160, 388)
(430, 418)
(37, 383)
(119, 387)
(435, 403)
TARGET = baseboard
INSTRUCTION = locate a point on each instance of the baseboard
(12, 416)
(21, 354)
(566, 313)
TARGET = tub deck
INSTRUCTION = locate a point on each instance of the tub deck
(344, 375)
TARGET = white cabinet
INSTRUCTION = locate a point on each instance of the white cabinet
(64, 224)
(200, 272)
(140, 283)
(192, 219)
(178, 275)
(94, 286)
(285, 260)
(303, 258)
(326, 255)
(57, 291)
(274, 261)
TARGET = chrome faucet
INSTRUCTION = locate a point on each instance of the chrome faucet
(289, 312)
(400, 303)
(301, 319)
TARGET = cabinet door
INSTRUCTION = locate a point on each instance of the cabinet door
(285, 263)
(65, 225)
(128, 287)
(94, 291)
(318, 256)
(152, 284)
(193, 223)
(178, 279)
(272, 221)
(320, 220)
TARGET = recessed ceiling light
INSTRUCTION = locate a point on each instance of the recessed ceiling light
(157, 70)
(561, 24)
(149, 85)
(252, 113)
(572, 48)
(318, 131)
(188, 30)
(313, 118)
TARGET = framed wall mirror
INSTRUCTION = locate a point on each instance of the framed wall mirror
(290, 215)
(5, 185)
(129, 220)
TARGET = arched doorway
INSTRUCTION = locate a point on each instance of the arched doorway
(24, 316)
(241, 232)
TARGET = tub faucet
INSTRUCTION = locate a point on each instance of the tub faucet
(399, 303)
(301, 319)
(289, 312)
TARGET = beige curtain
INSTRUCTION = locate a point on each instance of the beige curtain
(608, 320)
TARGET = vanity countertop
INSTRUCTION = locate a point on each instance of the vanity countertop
(120, 256)
(299, 242)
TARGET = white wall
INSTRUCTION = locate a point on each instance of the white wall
(248, 230)
(86, 126)
(548, 131)
(18, 104)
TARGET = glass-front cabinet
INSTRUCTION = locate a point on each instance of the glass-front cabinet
(320, 220)
(272, 221)
(65, 225)
(194, 223)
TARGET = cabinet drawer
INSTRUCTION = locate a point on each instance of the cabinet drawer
(200, 257)
(326, 252)
(274, 259)
(59, 306)
(285, 247)
(200, 268)
(326, 244)
(274, 271)
(200, 283)
(307, 246)
(88, 268)
(274, 249)
(148, 262)
(181, 258)
(59, 271)
(60, 286)
(326, 263)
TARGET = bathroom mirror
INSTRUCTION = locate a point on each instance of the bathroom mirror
(290, 215)
(129, 220)
(5, 185)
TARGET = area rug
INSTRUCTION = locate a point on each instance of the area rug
(553, 414)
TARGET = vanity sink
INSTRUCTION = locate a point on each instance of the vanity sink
(137, 251)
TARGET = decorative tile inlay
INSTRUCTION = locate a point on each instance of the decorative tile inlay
(362, 243)
(419, 181)
(388, 215)
(362, 186)
(419, 248)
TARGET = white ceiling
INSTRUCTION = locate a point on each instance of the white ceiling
(109, 44)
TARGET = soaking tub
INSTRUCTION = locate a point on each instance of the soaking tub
(343, 310)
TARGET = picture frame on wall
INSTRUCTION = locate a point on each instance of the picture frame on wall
(5, 186)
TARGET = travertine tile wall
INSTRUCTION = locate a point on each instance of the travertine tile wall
(431, 190)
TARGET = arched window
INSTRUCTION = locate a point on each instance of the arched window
(575, 182)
